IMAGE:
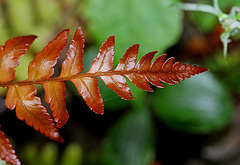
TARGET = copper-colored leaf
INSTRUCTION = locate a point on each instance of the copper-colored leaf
(10, 54)
(55, 95)
(42, 65)
(6, 151)
(127, 62)
(158, 63)
(103, 63)
(104, 60)
(88, 89)
(145, 62)
(142, 65)
(140, 81)
(170, 72)
(30, 109)
(73, 62)
(119, 85)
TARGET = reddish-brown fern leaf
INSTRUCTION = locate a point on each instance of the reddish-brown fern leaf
(139, 73)
(6, 151)
(42, 67)
(10, 54)
(29, 108)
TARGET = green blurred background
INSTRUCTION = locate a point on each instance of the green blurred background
(195, 122)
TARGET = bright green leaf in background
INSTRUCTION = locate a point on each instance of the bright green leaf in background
(131, 141)
(20, 16)
(197, 105)
(232, 71)
(154, 24)
(3, 27)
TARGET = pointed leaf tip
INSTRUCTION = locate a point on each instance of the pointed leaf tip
(10, 54)
(73, 62)
(43, 64)
(128, 60)
(145, 62)
(104, 60)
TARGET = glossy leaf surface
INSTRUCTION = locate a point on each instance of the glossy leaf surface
(88, 89)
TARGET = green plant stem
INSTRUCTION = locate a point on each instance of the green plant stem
(201, 7)
(216, 7)
(225, 49)
(224, 19)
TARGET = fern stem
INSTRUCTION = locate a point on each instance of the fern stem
(69, 78)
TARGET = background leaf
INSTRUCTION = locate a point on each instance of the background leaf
(130, 141)
(135, 21)
(49, 154)
(197, 105)
(72, 155)
(20, 11)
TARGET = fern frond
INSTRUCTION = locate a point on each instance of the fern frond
(22, 94)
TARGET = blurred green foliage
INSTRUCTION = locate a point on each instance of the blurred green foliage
(230, 70)
(199, 105)
(131, 140)
(49, 155)
(132, 22)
